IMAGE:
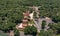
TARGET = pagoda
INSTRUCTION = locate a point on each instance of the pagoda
(24, 23)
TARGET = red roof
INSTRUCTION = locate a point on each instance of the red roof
(24, 25)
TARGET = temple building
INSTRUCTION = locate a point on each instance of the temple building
(24, 23)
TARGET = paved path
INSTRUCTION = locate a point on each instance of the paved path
(38, 23)
(22, 33)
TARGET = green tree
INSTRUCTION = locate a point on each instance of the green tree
(46, 33)
(43, 24)
(55, 27)
(16, 32)
(30, 30)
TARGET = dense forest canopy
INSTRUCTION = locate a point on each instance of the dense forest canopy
(11, 10)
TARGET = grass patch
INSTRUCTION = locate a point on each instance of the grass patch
(2, 34)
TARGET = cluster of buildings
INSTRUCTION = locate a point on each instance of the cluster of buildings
(27, 16)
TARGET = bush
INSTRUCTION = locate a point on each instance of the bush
(30, 30)
(55, 27)
(46, 33)
(43, 24)
(16, 33)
